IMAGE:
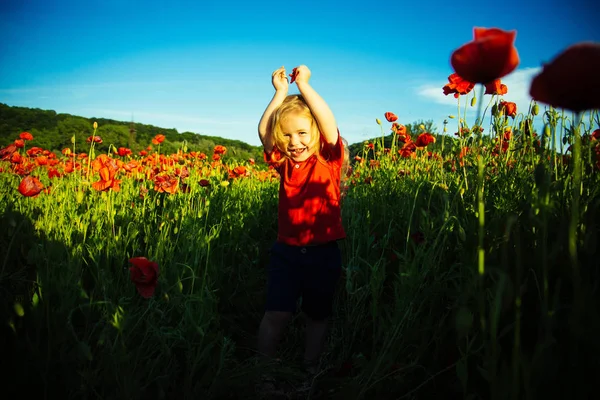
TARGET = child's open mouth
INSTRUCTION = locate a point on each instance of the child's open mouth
(297, 152)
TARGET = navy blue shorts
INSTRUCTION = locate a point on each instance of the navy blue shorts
(309, 272)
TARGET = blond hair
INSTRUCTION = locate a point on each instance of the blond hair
(295, 104)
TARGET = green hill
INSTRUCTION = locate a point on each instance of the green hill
(54, 131)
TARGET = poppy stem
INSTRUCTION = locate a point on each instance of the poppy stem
(481, 217)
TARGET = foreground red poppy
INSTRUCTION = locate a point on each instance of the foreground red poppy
(491, 55)
(30, 186)
(571, 80)
(144, 274)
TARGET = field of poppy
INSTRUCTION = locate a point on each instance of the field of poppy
(468, 273)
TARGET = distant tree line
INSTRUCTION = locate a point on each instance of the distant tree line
(54, 131)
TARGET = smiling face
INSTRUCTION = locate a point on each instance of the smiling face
(297, 132)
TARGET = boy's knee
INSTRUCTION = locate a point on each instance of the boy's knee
(278, 318)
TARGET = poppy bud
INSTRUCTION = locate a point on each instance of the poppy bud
(473, 101)
(73, 139)
(378, 121)
(451, 116)
(535, 110)
(547, 132)
(495, 110)
(95, 125)
(79, 197)
(422, 127)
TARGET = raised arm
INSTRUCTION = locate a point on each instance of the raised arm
(280, 83)
(318, 106)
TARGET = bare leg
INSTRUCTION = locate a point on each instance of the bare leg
(316, 332)
(270, 330)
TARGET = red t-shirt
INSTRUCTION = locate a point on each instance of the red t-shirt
(309, 197)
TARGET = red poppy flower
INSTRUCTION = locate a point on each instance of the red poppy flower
(571, 80)
(41, 160)
(220, 149)
(166, 184)
(491, 55)
(204, 182)
(144, 274)
(123, 151)
(457, 85)
(158, 139)
(107, 169)
(496, 87)
(408, 150)
(53, 173)
(30, 186)
(20, 143)
(293, 75)
(238, 171)
(508, 108)
(26, 136)
(7, 152)
(391, 117)
(424, 139)
(34, 151)
(95, 139)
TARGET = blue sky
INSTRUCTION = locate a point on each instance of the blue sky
(205, 66)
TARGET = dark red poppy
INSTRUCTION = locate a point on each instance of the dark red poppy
(496, 87)
(457, 85)
(491, 55)
(293, 75)
(418, 237)
(391, 117)
(204, 182)
(30, 186)
(144, 274)
(571, 80)
(26, 136)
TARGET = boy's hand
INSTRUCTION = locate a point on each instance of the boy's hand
(279, 80)
(301, 74)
